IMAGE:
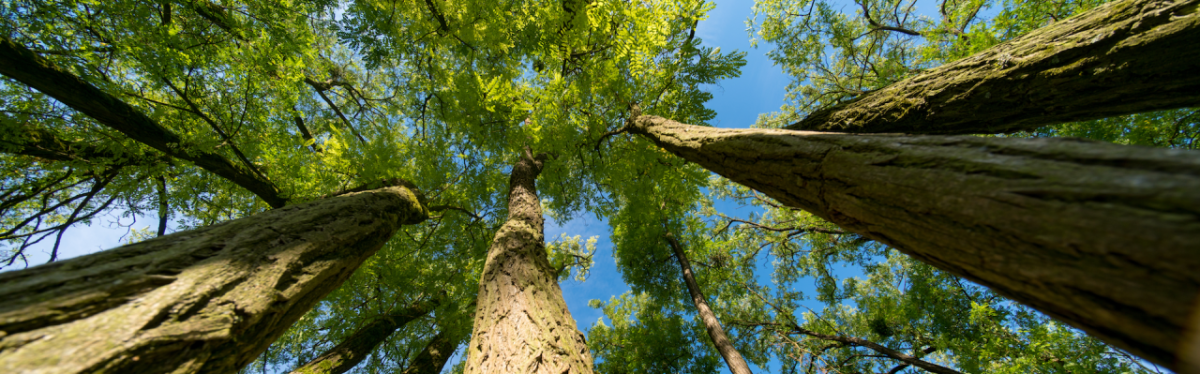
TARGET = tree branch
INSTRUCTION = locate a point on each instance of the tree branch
(213, 124)
(363, 341)
(321, 92)
(304, 133)
(733, 358)
(1109, 61)
(875, 26)
(21, 64)
(438, 208)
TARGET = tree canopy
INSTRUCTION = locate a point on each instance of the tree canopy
(205, 111)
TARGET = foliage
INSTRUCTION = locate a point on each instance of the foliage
(321, 96)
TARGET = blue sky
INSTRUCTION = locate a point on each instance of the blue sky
(738, 103)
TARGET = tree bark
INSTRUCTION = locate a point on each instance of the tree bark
(23, 65)
(362, 342)
(433, 358)
(521, 321)
(1098, 235)
(733, 359)
(207, 300)
(1120, 58)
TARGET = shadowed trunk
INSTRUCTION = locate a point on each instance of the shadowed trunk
(22, 65)
(363, 341)
(1098, 235)
(1120, 58)
(433, 358)
(22, 138)
(733, 359)
(164, 209)
(208, 300)
(521, 321)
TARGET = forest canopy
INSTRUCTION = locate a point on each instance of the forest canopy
(203, 112)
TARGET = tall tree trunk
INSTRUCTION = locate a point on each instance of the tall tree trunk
(22, 65)
(363, 341)
(1122, 57)
(521, 321)
(733, 359)
(207, 300)
(433, 358)
(1101, 236)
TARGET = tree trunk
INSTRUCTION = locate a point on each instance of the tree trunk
(521, 321)
(208, 300)
(733, 359)
(22, 65)
(433, 358)
(1122, 57)
(1101, 236)
(21, 138)
(362, 342)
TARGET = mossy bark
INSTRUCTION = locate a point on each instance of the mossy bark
(1101, 236)
(208, 300)
(22, 65)
(363, 341)
(733, 359)
(1122, 57)
(521, 321)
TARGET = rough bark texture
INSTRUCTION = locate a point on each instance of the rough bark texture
(1101, 236)
(362, 342)
(21, 64)
(433, 358)
(207, 300)
(1123, 57)
(733, 359)
(521, 321)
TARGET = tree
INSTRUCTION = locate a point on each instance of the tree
(359, 345)
(205, 300)
(521, 322)
(251, 105)
(733, 359)
(1040, 223)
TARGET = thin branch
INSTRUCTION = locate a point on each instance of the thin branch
(793, 230)
(859, 342)
(438, 208)
(96, 188)
(225, 137)
(304, 133)
(875, 26)
(163, 209)
(320, 88)
(67, 52)
(438, 15)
